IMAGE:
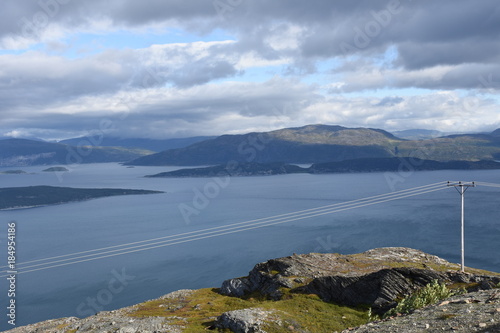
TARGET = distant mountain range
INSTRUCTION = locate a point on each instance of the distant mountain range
(323, 143)
(304, 145)
(22, 152)
(137, 143)
(419, 134)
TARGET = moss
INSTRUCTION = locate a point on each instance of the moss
(310, 313)
(300, 311)
(446, 316)
(462, 286)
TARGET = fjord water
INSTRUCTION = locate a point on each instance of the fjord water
(429, 222)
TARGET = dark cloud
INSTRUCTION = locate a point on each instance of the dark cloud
(426, 33)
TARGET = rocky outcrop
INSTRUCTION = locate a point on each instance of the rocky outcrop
(375, 278)
(381, 289)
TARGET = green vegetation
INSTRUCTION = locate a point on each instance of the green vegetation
(33, 196)
(430, 294)
(300, 311)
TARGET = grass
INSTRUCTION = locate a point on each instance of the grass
(300, 311)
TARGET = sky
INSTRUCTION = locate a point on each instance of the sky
(178, 68)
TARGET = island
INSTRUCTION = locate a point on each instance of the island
(36, 196)
(391, 164)
(235, 169)
(56, 169)
(13, 172)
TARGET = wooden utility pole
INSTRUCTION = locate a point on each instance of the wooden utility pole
(461, 187)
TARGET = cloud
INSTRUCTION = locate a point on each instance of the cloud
(208, 67)
(369, 76)
(444, 111)
(165, 112)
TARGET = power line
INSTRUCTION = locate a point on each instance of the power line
(246, 222)
(202, 234)
(227, 229)
(488, 184)
(301, 212)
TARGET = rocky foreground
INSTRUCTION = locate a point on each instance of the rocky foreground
(313, 293)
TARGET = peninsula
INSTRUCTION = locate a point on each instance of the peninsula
(35, 196)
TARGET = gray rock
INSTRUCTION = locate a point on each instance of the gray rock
(244, 321)
(236, 287)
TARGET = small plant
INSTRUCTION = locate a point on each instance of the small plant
(430, 294)
(372, 316)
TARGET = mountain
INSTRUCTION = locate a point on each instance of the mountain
(316, 292)
(469, 147)
(308, 144)
(135, 143)
(22, 152)
(323, 143)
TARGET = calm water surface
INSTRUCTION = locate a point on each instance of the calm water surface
(429, 222)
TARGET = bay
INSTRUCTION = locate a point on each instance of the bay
(429, 222)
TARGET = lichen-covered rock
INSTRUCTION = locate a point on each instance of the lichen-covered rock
(266, 283)
(244, 321)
